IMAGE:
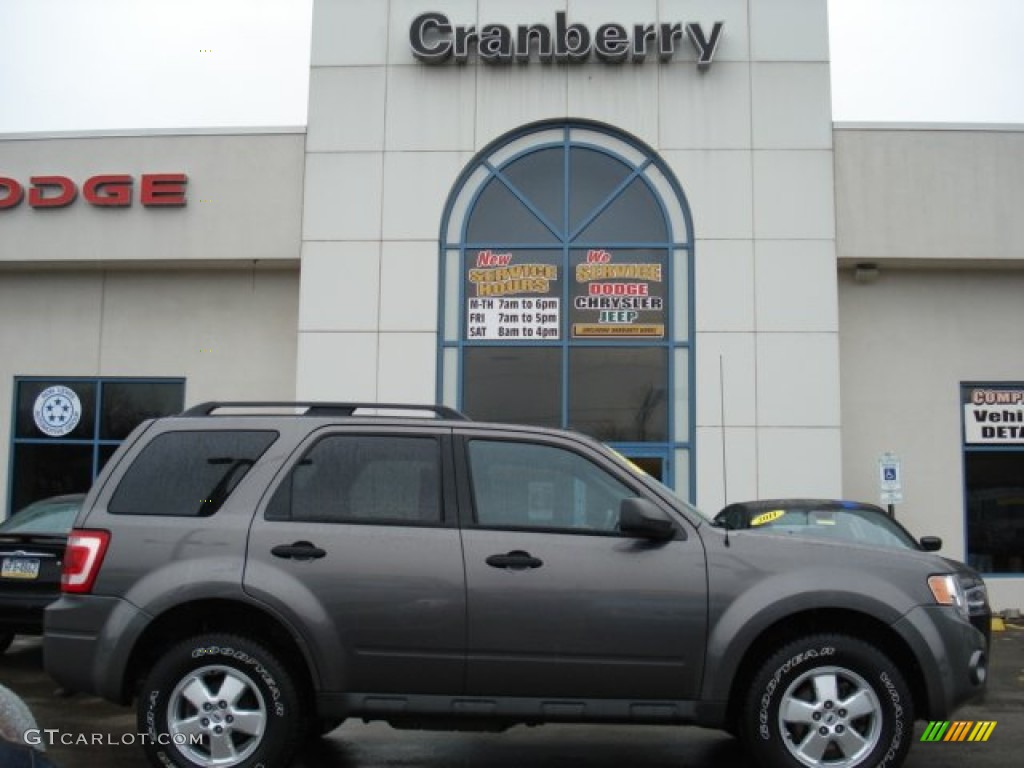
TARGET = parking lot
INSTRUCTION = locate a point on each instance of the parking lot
(90, 732)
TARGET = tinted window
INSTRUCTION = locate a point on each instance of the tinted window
(634, 216)
(49, 469)
(995, 510)
(513, 384)
(126, 404)
(501, 217)
(539, 177)
(619, 394)
(595, 177)
(186, 474)
(355, 478)
(523, 485)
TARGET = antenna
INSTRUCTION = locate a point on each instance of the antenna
(721, 405)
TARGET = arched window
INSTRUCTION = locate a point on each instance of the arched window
(566, 285)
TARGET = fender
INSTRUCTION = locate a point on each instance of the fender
(734, 630)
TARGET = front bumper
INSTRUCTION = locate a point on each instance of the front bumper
(952, 655)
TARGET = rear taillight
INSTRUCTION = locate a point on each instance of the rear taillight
(82, 560)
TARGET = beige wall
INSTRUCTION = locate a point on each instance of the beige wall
(244, 199)
(231, 334)
(937, 209)
(930, 194)
(906, 342)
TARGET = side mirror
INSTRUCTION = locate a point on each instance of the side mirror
(931, 543)
(642, 518)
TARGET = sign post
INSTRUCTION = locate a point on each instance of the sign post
(890, 481)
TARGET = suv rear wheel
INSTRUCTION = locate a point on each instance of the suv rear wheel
(828, 701)
(219, 700)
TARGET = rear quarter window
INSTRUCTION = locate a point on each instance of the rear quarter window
(188, 474)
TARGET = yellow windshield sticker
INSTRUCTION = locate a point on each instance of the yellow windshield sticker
(767, 517)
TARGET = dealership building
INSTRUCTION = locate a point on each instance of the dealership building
(635, 219)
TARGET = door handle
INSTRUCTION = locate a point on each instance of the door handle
(515, 560)
(300, 550)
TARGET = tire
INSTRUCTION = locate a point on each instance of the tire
(828, 701)
(6, 638)
(253, 707)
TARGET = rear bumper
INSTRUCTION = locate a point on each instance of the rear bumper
(87, 642)
(952, 655)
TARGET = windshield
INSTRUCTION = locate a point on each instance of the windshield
(829, 520)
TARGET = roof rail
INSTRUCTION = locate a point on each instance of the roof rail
(324, 409)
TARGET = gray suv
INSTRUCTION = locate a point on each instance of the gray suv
(251, 576)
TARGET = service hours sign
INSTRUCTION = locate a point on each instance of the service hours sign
(513, 297)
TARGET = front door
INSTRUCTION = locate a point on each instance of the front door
(560, 604)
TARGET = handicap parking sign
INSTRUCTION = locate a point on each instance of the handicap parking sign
(889, 480)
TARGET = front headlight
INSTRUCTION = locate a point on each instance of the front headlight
(947, 590)
(976, 594)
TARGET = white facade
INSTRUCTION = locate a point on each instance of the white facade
(749, 140)
(307, 265)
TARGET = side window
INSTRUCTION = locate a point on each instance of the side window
(188, 474)
(357, 478)
(524, 485)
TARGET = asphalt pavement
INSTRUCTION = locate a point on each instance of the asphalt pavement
(97, 733)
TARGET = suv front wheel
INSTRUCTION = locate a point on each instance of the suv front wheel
(219, 700)
(828, 701)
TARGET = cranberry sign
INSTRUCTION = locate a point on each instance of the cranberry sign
(434, 39)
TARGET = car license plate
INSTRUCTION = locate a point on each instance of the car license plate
(19, 568)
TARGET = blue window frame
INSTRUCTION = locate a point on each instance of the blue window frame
(566, 256)
(65, 428)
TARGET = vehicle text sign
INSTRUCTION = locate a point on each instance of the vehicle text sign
(994, 415)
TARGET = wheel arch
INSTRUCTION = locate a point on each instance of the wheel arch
(852, 623)
(221, 616)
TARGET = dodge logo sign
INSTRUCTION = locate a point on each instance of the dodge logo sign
(104, 191)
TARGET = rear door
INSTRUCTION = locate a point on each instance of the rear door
(560, 603)
(359, 547)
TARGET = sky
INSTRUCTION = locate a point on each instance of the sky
(82, 65)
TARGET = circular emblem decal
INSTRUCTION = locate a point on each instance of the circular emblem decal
(57, 411)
